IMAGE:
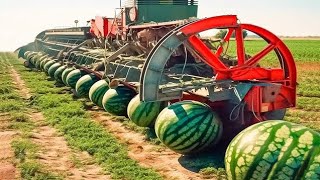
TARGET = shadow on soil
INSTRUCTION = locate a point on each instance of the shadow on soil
(213, 157)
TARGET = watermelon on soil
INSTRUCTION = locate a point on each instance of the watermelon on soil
(84, 84)
(144, 114)
(115, 101)
(274, 149)
(97, 91)
(188, 127)
(74, 76)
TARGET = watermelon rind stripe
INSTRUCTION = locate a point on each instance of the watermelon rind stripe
(311, 168)
(196, 139)
(178, 131)
(184, 121)
(281, 150)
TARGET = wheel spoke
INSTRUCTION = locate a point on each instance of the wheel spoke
(256, 58)
(206, 53)
(240, 46)
(225, 39)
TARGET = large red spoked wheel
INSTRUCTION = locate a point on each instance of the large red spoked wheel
(246, 69)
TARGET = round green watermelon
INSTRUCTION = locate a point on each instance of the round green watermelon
(38, 62)
(42, 63)
(58, 73)
(274, 149)
(32, 60)
(188, 127)
(26, 54)
(84, 84)
(115, 101)
(35, 58)
(53, 69)
(97, 91)
(47, 65)
(65, 74)
(74, 76)
(30, 55)
(144, 114)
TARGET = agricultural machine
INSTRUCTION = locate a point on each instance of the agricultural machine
(153, 63)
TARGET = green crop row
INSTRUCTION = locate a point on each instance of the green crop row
(308, 103)
(15, 107)
(70, 117)
(307, 118)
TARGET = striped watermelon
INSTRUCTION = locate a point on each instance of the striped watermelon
(115, 101)
(53, 69)
(26, 54)
(274, 149)
(84, 84)
(30, 55)
(144, 114)
(37, 58)
(97, 91)
(37, 64)
(33, 57)
(58, 73)
(74, 76)
(188, 127)
(65, 74)
(47, 65)
(42, 63)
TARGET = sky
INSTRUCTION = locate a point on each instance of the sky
(22, 20)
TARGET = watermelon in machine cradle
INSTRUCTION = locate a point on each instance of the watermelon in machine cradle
(188, 127)
(74, 76)
(38, 62)
(58, 73)
(274, 149)
(65, 74)
(84, 84)
(42, 63)
(97, 91)
(144, 114)
(47, 65)
(53, 69)
(115, 101)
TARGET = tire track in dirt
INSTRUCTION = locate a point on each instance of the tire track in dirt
(163, 161)
(7, 168)
(54, 152)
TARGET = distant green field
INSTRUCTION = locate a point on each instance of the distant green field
(302, 50)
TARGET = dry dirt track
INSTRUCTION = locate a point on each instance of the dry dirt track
(57, 156)
(54, 152)
(7, 168)
(164, 161)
